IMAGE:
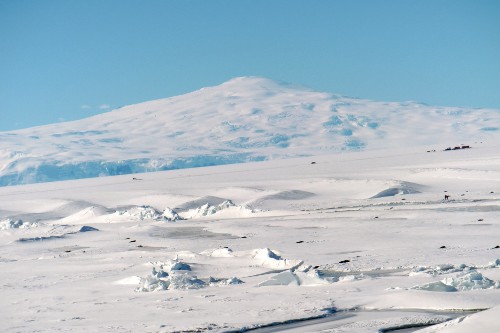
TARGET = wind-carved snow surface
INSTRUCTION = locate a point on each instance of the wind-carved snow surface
(246, 119)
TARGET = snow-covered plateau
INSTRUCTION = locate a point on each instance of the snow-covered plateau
(351, 233)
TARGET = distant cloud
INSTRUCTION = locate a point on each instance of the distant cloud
(100, 107)
(61, 119)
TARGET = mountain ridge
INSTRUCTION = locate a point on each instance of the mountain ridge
(244, 119)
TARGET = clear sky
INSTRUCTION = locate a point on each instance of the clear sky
(69, 59)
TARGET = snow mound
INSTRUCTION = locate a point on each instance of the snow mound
(268, 258)
(400, 189)
(131, 280)
(87, 213)
(436, 286)
(295, 278)
(17, 224)
(219, 253)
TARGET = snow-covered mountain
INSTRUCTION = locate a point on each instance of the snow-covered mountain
(244, 119)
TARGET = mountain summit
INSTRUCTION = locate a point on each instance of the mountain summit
(244, 119)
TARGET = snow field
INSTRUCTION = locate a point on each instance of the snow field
(313, 238)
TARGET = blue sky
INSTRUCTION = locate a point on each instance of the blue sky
(66, 60)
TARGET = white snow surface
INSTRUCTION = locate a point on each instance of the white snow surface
(359, 227)
(242, 120)
(320, 238)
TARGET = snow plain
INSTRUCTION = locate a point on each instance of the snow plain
(336, 223)
(236, 247)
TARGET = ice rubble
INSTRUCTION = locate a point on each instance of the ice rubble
(208, 209)
(16, 224)
(177, 275)
(146, 212)
(171, 215)
(439, 269)
(470, 281)
(466, 278)
(141, 213)
(296, 272)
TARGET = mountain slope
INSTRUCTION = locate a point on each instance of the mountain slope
(244, 119)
